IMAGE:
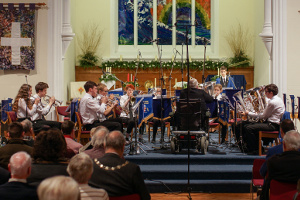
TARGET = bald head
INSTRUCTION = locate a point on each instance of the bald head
(20, 165)
(115, 140)
(193, 83)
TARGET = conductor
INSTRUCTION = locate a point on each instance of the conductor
(197, 94)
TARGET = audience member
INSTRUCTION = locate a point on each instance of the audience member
(88, 145)
(14, 144)
(17, 187)
(116, 175)
(98, 143)
(80, 169)
(285, 126)
(48, 154)
(58, 188)
(284, 167)
(28, 132)
(4, 175)
(67, 128)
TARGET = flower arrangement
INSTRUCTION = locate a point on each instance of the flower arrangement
(88, 43)
(108, 77)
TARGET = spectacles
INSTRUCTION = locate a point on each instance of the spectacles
(105, 90)
(266, 91)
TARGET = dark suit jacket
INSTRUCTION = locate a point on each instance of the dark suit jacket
(17, 190)
(4, 175)
(278, 149)
(13, 146)
(197, 94)
(119, 182)
(284, 168)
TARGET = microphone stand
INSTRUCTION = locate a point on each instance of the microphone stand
(137, 66)
(230, 78)
(27, 96)
(204, 59)
(170, 77)
(182, 66)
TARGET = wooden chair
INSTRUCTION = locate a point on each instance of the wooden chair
(150, 124)
(280, 190)
(127, 197)
(257, 180)
(214, 125)
(82, 134)
(266, 134)
(61, 110)
(11, 116)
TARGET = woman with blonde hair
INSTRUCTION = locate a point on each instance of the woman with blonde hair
(22, 104)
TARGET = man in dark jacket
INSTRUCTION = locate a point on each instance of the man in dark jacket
(116, 175)
(14, 144)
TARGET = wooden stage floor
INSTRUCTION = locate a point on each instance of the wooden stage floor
(202, 196)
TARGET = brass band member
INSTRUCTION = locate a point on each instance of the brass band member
(89, 109)
(110, 105)
(38, 118)
(271, 114)
(125, 102)
(22, 104)
(224, 80)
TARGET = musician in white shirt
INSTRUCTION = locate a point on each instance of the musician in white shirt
(22, 104)
(38, 118)
(89, 108)
(125, 103)
(272, 115)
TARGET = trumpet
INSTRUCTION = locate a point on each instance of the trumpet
(56, 102)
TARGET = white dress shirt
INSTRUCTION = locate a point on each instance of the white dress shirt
(89, 108)
(101, 116)
(22, 107)
(123, 99)
(41, 110)
(273, 112)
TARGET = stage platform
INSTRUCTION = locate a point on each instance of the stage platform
(224, 169)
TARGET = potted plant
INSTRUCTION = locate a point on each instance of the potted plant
(88, 43)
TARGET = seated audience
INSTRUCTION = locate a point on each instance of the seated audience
(98, 143)
(88, 145)
(285, 126)
(17, 187)
(4, 175)
(80, 169)
(28, 132)
(58, 188)
(14, 144)
(116, 175)
(67, 128)
(284, 167)
(48, 156)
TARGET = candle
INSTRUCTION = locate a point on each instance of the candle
(106, 69)
(218, 71)
(121, 58)
(138, 57)
(172, 58)
(131, 77)
(155, 82)
(155, 58)
(110, 69)
(190, 59)
(128, 77)
(207, 58)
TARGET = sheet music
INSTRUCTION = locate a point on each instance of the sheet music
(137, 105)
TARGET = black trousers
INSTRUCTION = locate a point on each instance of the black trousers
(110, 125)
(131, 124)
(250, 132)
(41, 124)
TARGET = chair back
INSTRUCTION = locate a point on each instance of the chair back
(131, 197)
(61, 110)
(281, 190)
(257, 163)
(11, 116)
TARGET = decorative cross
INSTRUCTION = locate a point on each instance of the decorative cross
(15, 42)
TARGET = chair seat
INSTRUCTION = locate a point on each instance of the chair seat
(85, 132)
(213, 124)
(258, 182)
(67, 119)
(266, 134)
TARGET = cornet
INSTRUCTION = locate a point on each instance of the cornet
(56, 102)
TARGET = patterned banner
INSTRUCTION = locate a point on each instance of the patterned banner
(284, 100)
(17, 31)
(293, 105)
(145, 109)
(223, 112)
(6, 106)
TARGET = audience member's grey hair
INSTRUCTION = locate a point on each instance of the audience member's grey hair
(80, 168)
(58, 188)
(115, 140)
(292, 140)
(27, 125)
(98, 138)
(193, 83)
(19, 163)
